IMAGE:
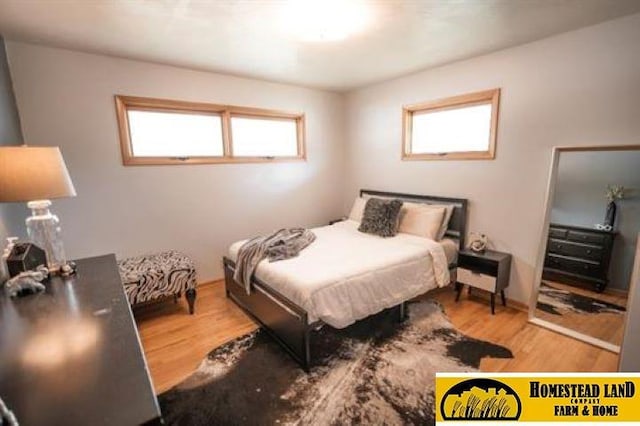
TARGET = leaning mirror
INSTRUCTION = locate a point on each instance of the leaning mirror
(587, 250)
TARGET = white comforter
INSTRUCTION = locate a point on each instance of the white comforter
(346, 275)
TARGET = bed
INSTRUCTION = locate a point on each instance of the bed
(344, 276)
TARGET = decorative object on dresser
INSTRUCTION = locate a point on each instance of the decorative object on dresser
(151, 277)
(24, 257)
(27, 282)
(578, 256)
(72, 356)
(36, 175)
(614, 192)
(488, 271)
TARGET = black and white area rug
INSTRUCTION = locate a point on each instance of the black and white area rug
(558, 302)
(377, 371)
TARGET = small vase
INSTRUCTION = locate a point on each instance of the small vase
(43, 229)
(610, 216)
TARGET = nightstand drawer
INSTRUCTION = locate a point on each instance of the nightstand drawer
(477, 263)
(476, 279)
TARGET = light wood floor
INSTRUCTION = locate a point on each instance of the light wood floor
(175, 342)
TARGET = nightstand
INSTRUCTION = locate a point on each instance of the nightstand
(487, 271)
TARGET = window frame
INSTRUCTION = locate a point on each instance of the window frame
(491, 97)
(124, 103)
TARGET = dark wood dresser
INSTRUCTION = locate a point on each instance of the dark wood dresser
(71, 355)
(578, 256)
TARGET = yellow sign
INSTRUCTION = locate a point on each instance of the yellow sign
(537, 397)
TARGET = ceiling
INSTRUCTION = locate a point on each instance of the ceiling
(265, 39)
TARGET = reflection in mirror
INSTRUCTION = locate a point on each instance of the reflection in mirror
(594, 219)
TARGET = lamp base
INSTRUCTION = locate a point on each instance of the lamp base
(44, 231)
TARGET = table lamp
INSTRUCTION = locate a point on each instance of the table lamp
(36, 175)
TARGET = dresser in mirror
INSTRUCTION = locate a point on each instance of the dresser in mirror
(586, 255)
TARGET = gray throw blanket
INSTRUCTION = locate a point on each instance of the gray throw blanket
(281, 245)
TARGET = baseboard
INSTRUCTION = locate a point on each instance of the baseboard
(211, 283)
(511, 303)
(515, 304)
(616, 291)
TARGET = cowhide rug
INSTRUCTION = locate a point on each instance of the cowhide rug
(377, 371)
(558, 301)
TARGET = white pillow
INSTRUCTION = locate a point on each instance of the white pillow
(422, 220)
(358, 209)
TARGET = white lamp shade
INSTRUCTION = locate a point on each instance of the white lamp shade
(33, 173)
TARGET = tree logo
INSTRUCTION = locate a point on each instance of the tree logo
(480, 399)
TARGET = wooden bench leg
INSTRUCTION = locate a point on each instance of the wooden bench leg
(191, 299)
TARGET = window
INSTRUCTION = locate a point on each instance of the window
(156, 131)
(173, 134)
(258, 137)
(458, 128)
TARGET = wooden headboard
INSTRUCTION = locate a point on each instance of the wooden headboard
(457, 225)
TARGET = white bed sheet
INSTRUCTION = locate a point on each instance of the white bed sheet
(346, 275)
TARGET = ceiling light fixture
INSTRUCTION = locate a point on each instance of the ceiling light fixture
(325, 20)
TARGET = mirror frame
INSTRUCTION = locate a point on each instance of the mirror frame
(542, 246)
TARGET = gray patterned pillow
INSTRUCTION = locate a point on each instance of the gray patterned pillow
(381, 217)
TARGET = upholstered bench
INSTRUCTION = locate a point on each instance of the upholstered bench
(154, 276)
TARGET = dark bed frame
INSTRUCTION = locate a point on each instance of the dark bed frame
(286, 322)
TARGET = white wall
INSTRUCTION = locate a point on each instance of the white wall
(579, 200)
(65, 98)
(578, 88)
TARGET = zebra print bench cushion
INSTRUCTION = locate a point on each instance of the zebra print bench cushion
(158, 275)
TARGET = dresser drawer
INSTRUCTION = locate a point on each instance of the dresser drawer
(585, 237)
(574, 266)
(575, 250)
(476, 279)
(557, 233)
